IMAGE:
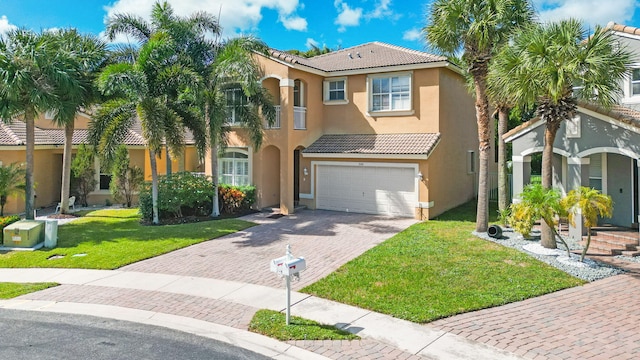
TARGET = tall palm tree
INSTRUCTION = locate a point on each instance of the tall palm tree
(588, 203)
(194, 48)
(476, 28)
(12, 182)
(235, 67)
(32, 75)
(142, 91)
(541, 67)
(86, 55)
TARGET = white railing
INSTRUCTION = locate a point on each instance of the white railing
(299, 118)
(493, 187)
(276, 122)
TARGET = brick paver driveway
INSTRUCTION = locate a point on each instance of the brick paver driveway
(326, 239)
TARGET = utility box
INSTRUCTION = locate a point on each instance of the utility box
(24, 234)
(50, 234)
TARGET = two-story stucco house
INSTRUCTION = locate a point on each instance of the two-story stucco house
(598, 148)
(374, 128)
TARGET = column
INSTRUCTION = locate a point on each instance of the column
(521, 166)
(286, 154)
(577, 175)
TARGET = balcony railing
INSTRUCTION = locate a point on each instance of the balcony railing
(299, 118)
(276, 123)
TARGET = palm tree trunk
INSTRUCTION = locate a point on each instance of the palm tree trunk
(66, 167)
(548, 239)
(154, 186)
(503, 122)
(168, 160)
(215, 211)
(482, 116)
(584, 251)
(29, 116)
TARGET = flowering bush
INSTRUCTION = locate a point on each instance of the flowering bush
(8, 220)
(236, 199)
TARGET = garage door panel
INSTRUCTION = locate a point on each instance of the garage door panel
(367, 189)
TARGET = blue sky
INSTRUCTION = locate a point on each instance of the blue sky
(296, 24)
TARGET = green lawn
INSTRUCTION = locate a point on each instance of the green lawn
(272, 323)
(436, 269)
(11, 290)
(109, 239)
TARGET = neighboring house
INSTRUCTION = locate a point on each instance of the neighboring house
(374, 128)
(49, 142)
(598, 148)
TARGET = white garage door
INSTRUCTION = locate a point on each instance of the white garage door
(375, 189)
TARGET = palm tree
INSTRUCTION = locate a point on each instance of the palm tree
(86, 55)
(540, 69)
(142, 91)
(235, 67)
(193, 49)
(32, 75)
(589, 203)
(477, 28)
(12, 182)
(538, 203)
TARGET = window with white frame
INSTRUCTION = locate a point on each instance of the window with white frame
(595, 171)
(471, 162)
(635, 82)
(335, 91)
(235, 98)
(390, 93)
(103, 176)
(233, 169)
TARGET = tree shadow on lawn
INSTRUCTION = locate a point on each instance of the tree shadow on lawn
(96, 231)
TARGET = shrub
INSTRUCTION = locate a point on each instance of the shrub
(8, 220)
(181, 194)
(236, 199)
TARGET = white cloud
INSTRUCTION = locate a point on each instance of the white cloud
(412, 35)
(235, 16)
(294, 23)
(311, 43)
(592, 12)
(346, 15)
(381, 10)
(5, 26)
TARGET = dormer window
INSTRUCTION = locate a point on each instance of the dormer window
(335, 91)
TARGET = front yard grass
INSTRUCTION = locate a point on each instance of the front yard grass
(112, 238)
(11, 290)
(272, 323)
(437, 269)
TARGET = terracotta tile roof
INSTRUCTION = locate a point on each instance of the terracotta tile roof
(623, 28)
(365, 56)
(618, 112)
(381, 144)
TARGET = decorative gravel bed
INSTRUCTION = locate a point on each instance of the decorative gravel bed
(590, 270)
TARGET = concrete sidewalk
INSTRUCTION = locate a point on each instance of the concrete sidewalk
(182, 302)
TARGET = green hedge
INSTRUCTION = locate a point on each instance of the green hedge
(185, 194)
(7, 220)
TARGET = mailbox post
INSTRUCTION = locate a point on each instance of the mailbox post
(288, 266)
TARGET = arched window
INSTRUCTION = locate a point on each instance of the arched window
(234, 169)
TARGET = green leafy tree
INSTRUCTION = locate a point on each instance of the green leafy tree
(538, 203)
(476, 28)
(12, 182)
(126, 180)
(84, 172)
(32, 76)
(540, 67)
(588, 203)
(85, 56)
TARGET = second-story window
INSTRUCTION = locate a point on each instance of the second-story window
(391, 93)
(235, 99)
(298, 93)
(335, 91)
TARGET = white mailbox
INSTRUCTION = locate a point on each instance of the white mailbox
(294, 266)
(277, 265)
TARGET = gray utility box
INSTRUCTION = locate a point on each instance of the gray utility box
(24, 234)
